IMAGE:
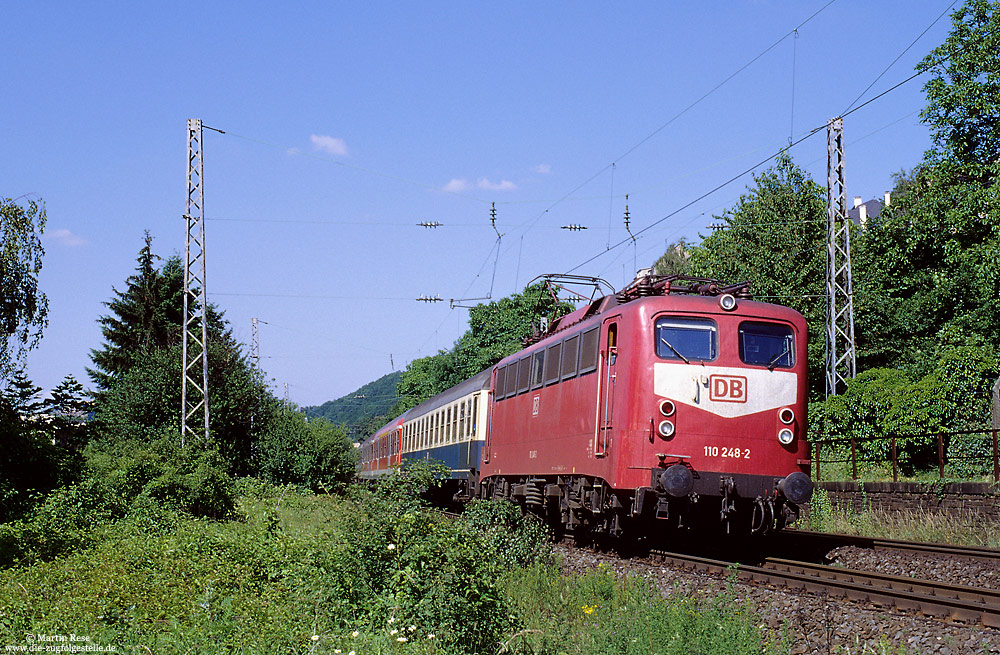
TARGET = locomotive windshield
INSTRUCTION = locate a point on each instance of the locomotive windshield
(686, 339)
(767, 344)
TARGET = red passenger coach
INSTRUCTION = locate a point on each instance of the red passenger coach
(677, 402)
(381, 452)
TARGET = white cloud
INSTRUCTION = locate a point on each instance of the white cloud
(502, 185)
(456, 185)
(329, 144)
(66, 238)
(543, 169)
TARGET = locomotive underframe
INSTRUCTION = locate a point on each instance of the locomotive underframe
(733, 503)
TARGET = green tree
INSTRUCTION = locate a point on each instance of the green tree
(147, 315)
(23, 307)
(67, 408)
(496, 330)
(23, 395)
(928, 266)
(144, 405)
(138, 369)
(963, 96)
(314, 454)
(675, 261)
(775, 238)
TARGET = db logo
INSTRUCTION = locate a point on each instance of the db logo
(727, 388)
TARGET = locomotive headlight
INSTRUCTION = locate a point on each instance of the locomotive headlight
(667, 407)
(727, 302)
(786, 436)
(786, 415)
(666, 429)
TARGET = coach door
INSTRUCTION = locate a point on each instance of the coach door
(606, 364)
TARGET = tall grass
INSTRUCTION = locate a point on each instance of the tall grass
(960, 529)
(600, 612)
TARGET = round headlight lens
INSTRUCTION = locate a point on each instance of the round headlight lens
(786, 436)
(786, 415)
(666, 429)
(727, 302)
(667, 407)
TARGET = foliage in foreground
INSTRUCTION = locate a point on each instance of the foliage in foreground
(24, 310)
(376, 573)
(600, 612)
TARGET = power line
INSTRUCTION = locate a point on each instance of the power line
(309, 296)
(893, 62)
(676, 116)
(761, 163)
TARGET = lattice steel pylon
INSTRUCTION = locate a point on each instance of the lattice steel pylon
(840, 354)
(194, 376)
(254, 344)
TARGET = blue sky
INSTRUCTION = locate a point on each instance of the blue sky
(348, 123)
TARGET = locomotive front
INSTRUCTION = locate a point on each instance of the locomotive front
(723, 386)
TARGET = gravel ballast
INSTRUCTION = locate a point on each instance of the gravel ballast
(819, 624)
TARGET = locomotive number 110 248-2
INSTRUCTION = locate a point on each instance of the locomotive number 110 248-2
(724, 451)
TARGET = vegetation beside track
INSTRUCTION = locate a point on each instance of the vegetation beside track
(933, 527)
(374, 571)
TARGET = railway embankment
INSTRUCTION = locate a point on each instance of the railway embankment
(977, 501)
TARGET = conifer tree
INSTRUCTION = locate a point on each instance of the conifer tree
(67, 408)
(147, 315)
(23, 395)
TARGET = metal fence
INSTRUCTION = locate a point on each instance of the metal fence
(942, 459)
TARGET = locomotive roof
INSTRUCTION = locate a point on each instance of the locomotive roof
(702, 304)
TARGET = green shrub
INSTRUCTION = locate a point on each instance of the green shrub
(509, 537)
(317, 455)
(820, 511)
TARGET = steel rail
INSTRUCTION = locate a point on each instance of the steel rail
(976, 552)
(941, 600)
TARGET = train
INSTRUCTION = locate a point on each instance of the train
(678, 403)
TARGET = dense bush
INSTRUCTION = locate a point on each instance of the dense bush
(315, 454)
(30, 465)
(953, 397)
(122, 479)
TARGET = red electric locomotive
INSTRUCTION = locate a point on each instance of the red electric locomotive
(677, 402)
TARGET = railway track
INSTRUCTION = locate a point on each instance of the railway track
(941, 600)
(790, 539)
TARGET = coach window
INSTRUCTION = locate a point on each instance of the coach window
(523, 374)
(767, 344)
(475, 415)
(686, 339)
(570, 357)
(537, 369)
(588, 350)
